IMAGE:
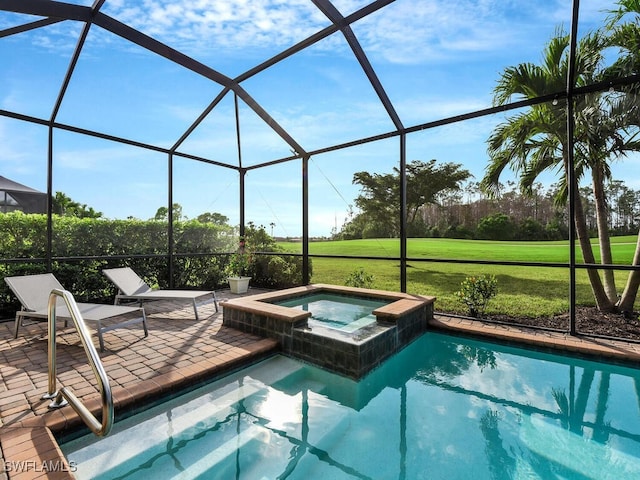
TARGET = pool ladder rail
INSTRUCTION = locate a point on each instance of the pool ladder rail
(65, 396)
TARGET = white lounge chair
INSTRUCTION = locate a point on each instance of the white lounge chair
(33, 292)
(131, 287)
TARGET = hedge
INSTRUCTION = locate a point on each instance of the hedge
(83, 247)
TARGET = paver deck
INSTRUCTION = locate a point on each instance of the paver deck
(178, 352)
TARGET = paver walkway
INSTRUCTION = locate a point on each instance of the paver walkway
(596, 348)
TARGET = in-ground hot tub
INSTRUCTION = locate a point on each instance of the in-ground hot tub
(346, 313)
(351, 331)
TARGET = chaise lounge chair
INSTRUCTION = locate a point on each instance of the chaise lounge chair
(131, 287)
(33, 292)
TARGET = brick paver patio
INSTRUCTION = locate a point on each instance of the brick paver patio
(179, 352)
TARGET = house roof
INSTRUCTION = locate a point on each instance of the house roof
(21, 197)
(8, 185)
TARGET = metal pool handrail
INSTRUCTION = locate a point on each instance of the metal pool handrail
(65, 396)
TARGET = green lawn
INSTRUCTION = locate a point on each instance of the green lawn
(445, 248)
(532, 291)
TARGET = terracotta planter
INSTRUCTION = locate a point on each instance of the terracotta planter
(239, 284)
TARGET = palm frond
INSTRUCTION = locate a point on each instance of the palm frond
(555, 54)
(624, 7)
(490, 183)
(525, 80)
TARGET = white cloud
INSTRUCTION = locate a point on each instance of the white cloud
(233, 24)
(407, 31)
(506, 381)
(404, 32)
(10, 100)
(413, 31)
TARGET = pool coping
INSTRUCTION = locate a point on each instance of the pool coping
(261, 303)
(598, 349)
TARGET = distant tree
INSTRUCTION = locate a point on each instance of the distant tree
(213, 217)
(352, 228)
(379, 202)
(163, 213)
(627, 208)
(530, 229)
(427, 183)
(65, 206)
(379, 199)
(496, 227)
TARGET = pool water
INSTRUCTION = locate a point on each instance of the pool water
(336, 311)
(444, 407)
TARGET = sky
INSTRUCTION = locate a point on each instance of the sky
(434, 59)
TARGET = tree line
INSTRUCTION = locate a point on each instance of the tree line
(461, 209)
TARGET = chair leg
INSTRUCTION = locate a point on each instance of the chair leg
(215, 301)
(17, 326)
(100, 340)
(195, 308)
(144, 323)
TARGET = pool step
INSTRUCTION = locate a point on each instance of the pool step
(207, 464)
(270, 450)
(246, 425)
(148, 439)
(139, 443)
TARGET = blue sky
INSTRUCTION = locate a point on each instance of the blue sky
(435, 59)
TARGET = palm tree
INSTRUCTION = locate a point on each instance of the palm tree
(626, 36)
(536, 140)
(66, 206)
(628, 298)
(605, 131)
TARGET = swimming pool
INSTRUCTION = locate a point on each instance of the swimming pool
(343, 313)
(445, 407)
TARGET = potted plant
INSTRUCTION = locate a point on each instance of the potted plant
(239, 269)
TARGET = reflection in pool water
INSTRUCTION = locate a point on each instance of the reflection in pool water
(443, 408)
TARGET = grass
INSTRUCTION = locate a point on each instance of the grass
(528, 291)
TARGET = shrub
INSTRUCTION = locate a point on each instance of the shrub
(359, 278)
(86, 246)
(476, 291)
(142, 245)
(279, 271)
